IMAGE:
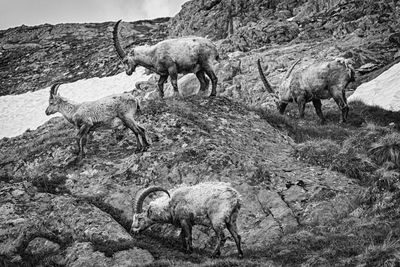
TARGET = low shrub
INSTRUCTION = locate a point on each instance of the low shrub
(387, 177)
(354, 165)
(386, 149)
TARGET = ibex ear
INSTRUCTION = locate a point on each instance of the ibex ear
(149, 212)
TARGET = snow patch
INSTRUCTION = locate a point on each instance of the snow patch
(26, 111)
(383, 91)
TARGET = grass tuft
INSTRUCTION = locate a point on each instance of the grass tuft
(386, 253)
(354, 165)
(317, 152)
(387, 149)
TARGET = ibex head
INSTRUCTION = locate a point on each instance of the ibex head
(128, 61)
(54, 100)
(281, 97)
(143, 219)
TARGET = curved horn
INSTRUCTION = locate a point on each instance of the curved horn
(138, 206)
(291, 68)
(263, 79)
(54, 89)
(117, 45)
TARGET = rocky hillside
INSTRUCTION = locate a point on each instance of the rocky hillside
(77, 214)
(279, 32)
(313, 195)
(32, 58)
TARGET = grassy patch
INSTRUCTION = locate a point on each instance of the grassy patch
(353, 165)
(317, 152)
(386, 253)
(228, 262)
(366, 148)
(190, 117)
(375, 114)
(302, 131)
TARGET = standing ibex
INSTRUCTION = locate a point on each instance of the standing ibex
(212, 204)
(173, 56)
(318, 81)
(107, 112)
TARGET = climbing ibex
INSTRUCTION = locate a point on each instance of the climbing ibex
(318, 81)
(173, 56)
(107, 112)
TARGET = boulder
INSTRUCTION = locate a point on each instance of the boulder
(40, 224)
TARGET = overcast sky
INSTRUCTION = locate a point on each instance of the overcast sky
(34, 12)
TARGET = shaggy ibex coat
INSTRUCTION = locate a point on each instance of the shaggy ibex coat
(108, 112)
(319, 81)
(212, 204)
(173, 56)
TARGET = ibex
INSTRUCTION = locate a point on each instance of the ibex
(212, 204)
(173, 56)
(318, 81)
(108, 112)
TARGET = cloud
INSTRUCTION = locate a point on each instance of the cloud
(157, 8)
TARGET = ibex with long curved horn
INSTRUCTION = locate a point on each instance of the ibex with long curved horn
(212, 204)
(107, 112)
(173, 56)
(319, 81)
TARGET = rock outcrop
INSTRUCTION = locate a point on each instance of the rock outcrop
(280, 33)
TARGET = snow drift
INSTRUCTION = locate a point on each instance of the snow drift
(26, 111)
(383, 91)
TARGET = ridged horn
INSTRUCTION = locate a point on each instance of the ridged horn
(54, 89)
(138, 206)
(263, 79)
(291, 68)
(117, 45)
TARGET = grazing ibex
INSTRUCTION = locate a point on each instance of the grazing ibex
(212, 204)
(318, 81)
(173, 56)
(108, 112)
